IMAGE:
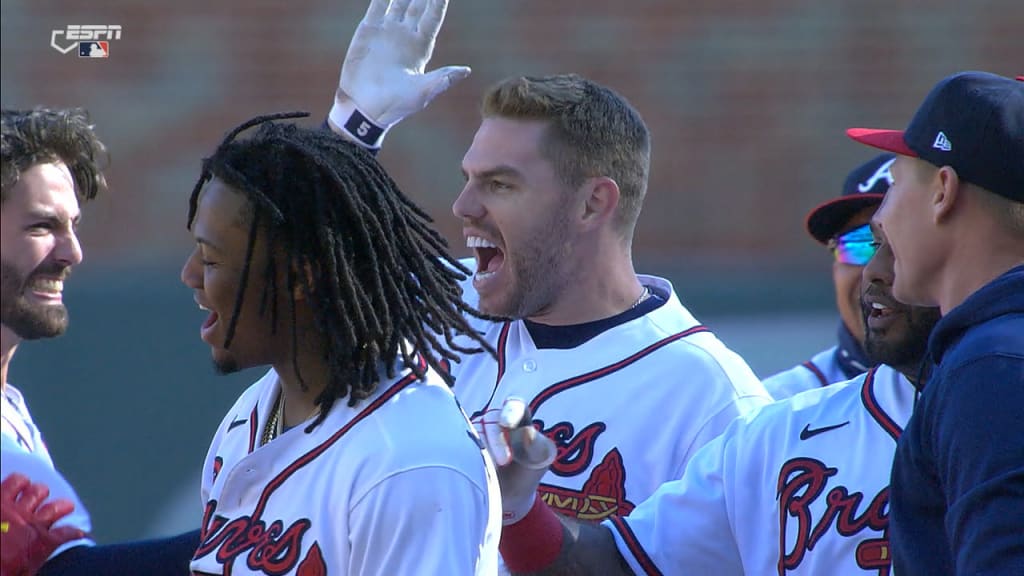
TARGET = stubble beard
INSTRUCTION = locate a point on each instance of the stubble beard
(541, 270)
(908, 350)
(226, 366)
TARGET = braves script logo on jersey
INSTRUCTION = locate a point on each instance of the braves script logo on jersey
(802, 482)
(575, 451)
(271, 549)
(602, 495)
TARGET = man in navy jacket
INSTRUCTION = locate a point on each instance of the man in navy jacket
(954, 218)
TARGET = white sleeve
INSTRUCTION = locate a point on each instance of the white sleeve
(430, 520)
(15, 459)
(719, 421)
(685, 526)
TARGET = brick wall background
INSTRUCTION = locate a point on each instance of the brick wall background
(747, 101)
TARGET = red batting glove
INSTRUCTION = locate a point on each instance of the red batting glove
(26, 523)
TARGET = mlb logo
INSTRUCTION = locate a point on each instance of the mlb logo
(98, 49)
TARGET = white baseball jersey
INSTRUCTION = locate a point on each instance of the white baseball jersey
(399, 484)
(626, 408)
(821, 370)
(23, 451)
(798, 487)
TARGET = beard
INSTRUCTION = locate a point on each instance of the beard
(226, 366)
(29, 320)
(910, 347)
(541, 270)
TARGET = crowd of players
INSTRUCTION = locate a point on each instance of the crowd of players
(542, 407)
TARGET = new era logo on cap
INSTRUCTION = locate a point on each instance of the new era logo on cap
(983, 114)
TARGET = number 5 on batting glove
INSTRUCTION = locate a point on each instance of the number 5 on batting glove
(28, 537)
(522, 454)
(383, 77)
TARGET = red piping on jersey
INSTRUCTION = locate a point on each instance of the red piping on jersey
(817, 372)
(502, 341)
(867, 395)
(564, 385)
(634, 546)
(315, 452)
(254, 426)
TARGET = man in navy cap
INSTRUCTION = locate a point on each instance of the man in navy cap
(841, 224)
(954, 218)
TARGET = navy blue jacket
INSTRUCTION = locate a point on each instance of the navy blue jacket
(160, 557)
(958, 477)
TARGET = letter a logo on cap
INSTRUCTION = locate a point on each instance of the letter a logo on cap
(942, 143)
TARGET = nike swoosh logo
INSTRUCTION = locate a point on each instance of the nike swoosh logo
(236, 424)
(807, 432)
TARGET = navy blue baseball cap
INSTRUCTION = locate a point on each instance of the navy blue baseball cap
(864, 186)
(971, 121)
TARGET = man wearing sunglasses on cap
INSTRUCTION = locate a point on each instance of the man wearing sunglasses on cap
(842, 225)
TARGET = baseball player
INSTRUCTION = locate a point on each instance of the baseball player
(593, 347)
(797, 487)
(51, 164)
(955, 220)
(351, 455)
(842, 225)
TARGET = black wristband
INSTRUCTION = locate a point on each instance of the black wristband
(363, 129)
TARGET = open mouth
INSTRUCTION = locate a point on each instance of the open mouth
(879, 316)
(879, 310)
(207, 326)
(489, 258)
(47, 288)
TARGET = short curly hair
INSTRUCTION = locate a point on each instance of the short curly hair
(42, 135)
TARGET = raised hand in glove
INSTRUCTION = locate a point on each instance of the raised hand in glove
(522, 454)
(383, 78)
(28, 536)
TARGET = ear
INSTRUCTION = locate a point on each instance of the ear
(945, 193)
(601, 199)
(305, 280)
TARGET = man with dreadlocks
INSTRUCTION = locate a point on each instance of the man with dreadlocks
(614, 368)
(351, 455)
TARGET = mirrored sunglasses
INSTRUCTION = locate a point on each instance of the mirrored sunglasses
(855, 247)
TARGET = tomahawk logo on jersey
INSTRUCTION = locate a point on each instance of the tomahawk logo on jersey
(782, 491)
(594, 399)
(354, 496)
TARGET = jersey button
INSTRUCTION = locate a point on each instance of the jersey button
(529, 366)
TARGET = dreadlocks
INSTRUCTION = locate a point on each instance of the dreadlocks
(378, 276)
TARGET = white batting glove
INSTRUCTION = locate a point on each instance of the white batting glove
(383, 78)
(523, 456)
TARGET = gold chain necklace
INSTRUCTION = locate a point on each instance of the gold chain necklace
(643, 296)
(276, 420)
(271, 430)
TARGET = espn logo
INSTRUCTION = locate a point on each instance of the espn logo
(98, 49)
(92, 40)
